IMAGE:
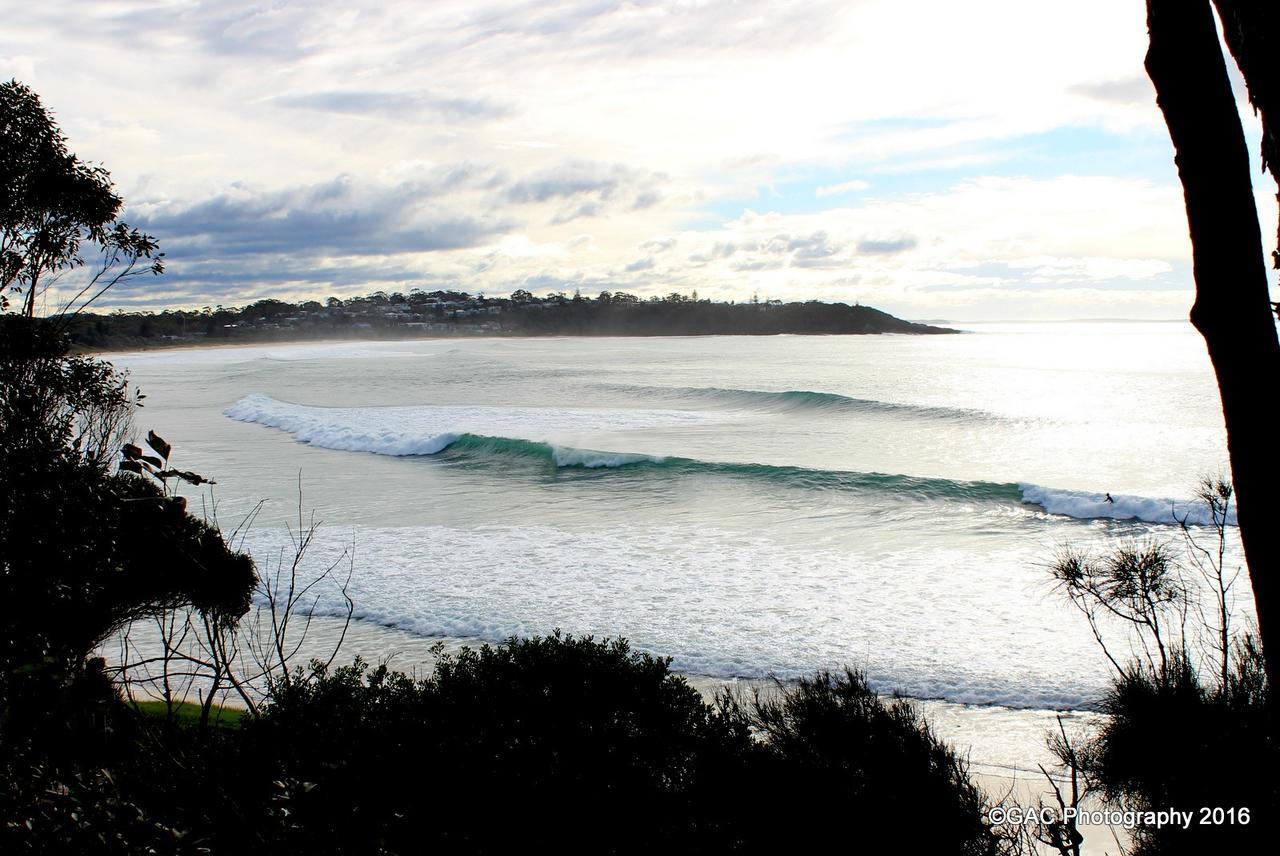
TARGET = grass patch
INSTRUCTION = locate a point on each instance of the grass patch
(188, 713)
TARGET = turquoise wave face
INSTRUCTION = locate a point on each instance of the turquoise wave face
(1081, 505)
(480, 448)
(794, 400)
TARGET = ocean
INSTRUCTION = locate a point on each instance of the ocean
(750, 507)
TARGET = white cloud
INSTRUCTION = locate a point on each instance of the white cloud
(841, 189)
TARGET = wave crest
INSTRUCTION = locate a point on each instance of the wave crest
(792, 400)
(1084, 505)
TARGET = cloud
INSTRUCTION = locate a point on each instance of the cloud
(646, 199)
(816, 251)
(405, 105)
(567, 181)
(583, 189)
(725, 249)
(1089, 269)
(201, 282)
(886, 247)
(1136, 89)
(573, 212)
(339, 217)
(342, 235)
(658, 245)
(646, 30)
(841, 189)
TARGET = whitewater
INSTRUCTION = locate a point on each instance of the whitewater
(751, 507)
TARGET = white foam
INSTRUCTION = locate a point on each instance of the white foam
(729, 605)
(427, 430)
(1084, 505)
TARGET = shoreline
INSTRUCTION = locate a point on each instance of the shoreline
(998, 740)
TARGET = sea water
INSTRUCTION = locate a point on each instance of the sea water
(750, 507)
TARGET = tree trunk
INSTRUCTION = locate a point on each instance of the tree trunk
(1232, 308)
(1252, 32)
(1251, 29)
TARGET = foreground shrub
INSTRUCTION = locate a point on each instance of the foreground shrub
(832, 755)
(84, 550)
(559, 739)
(561, 743)
(146, 786)
(589, 747)
(1171, 742)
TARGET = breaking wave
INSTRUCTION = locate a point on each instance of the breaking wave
(357, 430)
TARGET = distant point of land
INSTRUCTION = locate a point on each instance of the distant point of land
(447, 313)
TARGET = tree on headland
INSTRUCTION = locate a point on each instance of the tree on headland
(53, 206)
(1232, 309)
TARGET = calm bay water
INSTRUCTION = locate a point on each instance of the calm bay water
(749, 506)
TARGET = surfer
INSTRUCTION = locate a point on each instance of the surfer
(1109, 499)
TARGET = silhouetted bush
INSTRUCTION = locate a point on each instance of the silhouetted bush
(563, 740)
(1189, 726)
(84, 551)
(558, 742)
(589, 747)
(146, 786)
(1171, 742)
(832, 754)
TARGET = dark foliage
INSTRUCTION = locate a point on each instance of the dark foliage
(571, 744)
(51, 205)
(585, 746)
(1173, 743)
(1176, 739)
(555, 740)
(84, 551)
(143, 786)
(556, 743)
(701, 318)
(831, 754)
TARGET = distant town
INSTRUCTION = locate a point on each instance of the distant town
(450, 313)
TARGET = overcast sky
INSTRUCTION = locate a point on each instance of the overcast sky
(940, 160)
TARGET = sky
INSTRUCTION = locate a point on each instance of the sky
(985, 160)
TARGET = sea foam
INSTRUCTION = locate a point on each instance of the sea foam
(429, 430)
(1084, 505)
(729, 604)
